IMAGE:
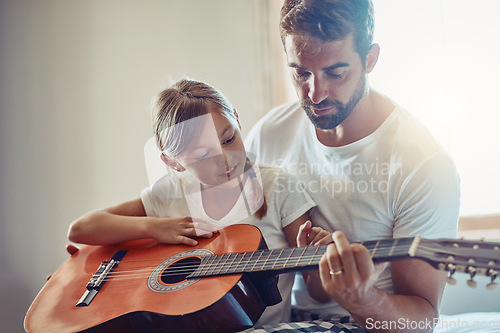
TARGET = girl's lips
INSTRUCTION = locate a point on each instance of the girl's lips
(228, 172)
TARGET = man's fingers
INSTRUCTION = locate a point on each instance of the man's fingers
(363, 260)
(346, 256)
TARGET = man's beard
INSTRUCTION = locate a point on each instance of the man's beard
(330, 121)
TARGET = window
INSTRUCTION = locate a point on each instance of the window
(440, 60)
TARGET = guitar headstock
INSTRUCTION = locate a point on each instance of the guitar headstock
(464, 256)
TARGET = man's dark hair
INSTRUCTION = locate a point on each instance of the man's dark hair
(330, 20)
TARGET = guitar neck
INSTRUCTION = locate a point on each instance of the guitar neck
(294, 259)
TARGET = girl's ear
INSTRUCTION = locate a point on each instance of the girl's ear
(237, 117)
(171, 163)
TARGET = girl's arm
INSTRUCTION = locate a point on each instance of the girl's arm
(128, 221)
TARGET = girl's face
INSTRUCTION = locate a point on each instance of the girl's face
(216, 155)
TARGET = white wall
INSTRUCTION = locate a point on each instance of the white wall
(76, 80)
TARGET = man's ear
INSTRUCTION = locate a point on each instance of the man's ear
(237, 117)
(372, 57)
(171, 163)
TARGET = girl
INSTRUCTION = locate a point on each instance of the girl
(213, 184)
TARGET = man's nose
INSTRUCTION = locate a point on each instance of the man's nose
(318, 90)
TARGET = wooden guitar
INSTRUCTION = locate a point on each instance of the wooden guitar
(221, 285)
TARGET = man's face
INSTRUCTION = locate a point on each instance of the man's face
(328, 76)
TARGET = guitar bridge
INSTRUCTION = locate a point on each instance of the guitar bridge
(99, 278)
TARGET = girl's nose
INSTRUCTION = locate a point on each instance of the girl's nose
(222, 159)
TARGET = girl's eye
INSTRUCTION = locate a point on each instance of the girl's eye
(230, 140)
(199, 158)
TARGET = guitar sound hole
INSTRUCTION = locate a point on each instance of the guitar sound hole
(178, 271)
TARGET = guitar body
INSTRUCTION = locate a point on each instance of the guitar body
(126, 303)
(221, 285)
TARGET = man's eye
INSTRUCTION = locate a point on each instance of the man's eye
(336, 75)
(301, 75)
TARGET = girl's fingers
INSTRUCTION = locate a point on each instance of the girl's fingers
(187, 241)
(303, 234)
(204, 228)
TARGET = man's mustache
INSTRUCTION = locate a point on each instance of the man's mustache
(322, 105)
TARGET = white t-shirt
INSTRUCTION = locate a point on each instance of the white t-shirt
(177, 195)
(395, 182)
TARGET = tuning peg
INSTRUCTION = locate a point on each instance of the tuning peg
(451, 270)
(493, 274)
(492, 286)
(472, 271)
(451, 280)
(471, 283)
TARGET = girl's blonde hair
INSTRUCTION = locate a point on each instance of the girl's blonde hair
(184, 100)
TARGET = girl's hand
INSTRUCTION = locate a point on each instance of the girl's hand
(309, 235)
(180, 230)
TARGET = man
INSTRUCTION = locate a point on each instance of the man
(374, 171)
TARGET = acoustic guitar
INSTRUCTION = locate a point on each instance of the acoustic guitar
(223, 284)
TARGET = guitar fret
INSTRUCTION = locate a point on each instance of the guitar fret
(393, 247)
(298, 257)
(216, 264)
(265, 261)
(279, 256)
(255, 264)
(288, 258)
(242, 255)
(374, 249)
(248, 257)
(231, 265)
(206, 265)
(313, 256)
(301, 256)
(225, 266)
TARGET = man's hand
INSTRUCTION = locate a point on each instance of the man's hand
(348, 275)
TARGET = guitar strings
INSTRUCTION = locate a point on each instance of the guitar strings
(188, 268)
(222, 263)
(182, 268)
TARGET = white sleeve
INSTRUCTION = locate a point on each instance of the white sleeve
(291, 196)
(429, 200)
(164, 198)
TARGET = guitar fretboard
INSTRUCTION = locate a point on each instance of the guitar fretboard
(293, 259)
